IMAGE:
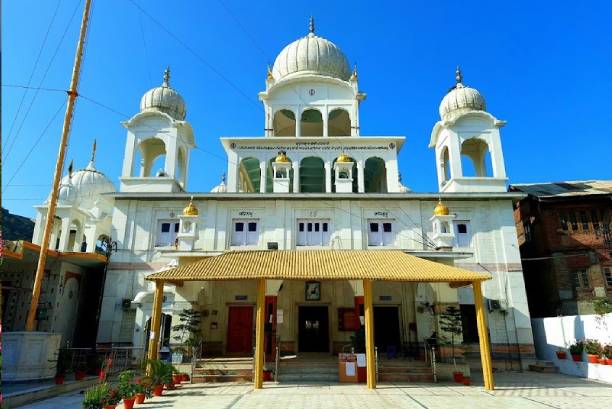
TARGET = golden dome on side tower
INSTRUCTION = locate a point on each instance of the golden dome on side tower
(441, 209)
(190, 210)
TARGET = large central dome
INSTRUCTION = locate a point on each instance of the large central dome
(311, 55)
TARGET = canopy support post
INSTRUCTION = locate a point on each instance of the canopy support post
(260, 321)
(369, 334)
(483, 336)
(158, 297)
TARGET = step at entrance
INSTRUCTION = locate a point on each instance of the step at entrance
(404, 371)
(544, 367)
(223, 370)
(308, 368)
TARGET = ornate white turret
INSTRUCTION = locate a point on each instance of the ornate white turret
(467, 130)
(158, 143)
(443, 234)
(281, 168)
(188, 227)
(343, 168)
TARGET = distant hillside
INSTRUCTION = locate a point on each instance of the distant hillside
(16, 227)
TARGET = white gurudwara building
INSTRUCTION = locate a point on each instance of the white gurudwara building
(308, 189)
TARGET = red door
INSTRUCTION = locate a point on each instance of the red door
(240, 330)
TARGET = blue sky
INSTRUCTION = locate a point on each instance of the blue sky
(545, 67)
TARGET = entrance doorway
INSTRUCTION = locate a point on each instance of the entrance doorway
(240, 330)
(313, 329)
(387, 328)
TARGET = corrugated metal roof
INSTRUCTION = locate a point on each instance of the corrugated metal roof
(389, 265)
(566, 188)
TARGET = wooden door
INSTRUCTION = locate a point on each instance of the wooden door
(240, 330)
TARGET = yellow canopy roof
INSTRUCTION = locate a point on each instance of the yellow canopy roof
(389, 265)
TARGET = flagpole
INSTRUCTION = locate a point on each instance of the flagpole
(59, 164)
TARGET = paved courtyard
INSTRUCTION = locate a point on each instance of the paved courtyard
(514, 390)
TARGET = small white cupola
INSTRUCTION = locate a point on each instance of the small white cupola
(443, 235)
(467, 142)
(188, 228)
(343, 172)
(281, 168)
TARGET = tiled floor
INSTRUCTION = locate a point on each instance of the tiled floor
(513, 390)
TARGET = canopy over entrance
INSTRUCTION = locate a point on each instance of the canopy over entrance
(387, 265)
(366, 265)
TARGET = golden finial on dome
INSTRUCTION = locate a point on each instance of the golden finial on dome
(458, 75)
(270, 76)
(311, 25)
(354, 74)
(282, 157)
(344, 158)
(441, 209)
(70, 168)
(166, 82)
(190, 210)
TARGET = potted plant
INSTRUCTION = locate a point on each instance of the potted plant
(64, 360)
(607, 351)
(593, 350)
(94, 366)
(96, 396)
(576, 350)
(79, 371)
(112, 399)
(561, 354)
(450, 322)
(126, 388)
(188, 332)
(177, 377)
(160, 373)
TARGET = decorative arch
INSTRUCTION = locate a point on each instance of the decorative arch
(339, 123)
(153, 151)
(311, 122)
(445, 168)
(375, 175)
(475, 158)
(284, 123)
(312, 175)
(181, 166)
(250, 175)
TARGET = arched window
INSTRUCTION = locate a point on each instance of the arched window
(339, 123)
(375, 176)
(445, 164)
(475, 158)
(284, 123)
(153, 152)
(250, 175)
(311, 123)
(312, 175)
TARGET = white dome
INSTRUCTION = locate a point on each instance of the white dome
(67, 193)
(221, 187)
(164, 99)
(89, 185)
(461, 99)
(311, 55)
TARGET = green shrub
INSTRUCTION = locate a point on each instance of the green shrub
(592, 347)
(96, 396)
(576, 348)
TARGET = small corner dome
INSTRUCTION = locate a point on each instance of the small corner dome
(67, 194)
(461, 99)
(90, 184)
(221, 187)
(311, 55)
(164, 99)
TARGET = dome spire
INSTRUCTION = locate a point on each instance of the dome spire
(458, 76)
(166, 82)
(93, 152)
(70, 169)
(311, 25)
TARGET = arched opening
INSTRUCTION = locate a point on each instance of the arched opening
(311, 123)
(137, 163)
(250, 175)
(75, 236)
(339, 123)
(312, 175)
(445, 164)
(270, 175)
(375, 176)
(284, 123)
(475, 158)
(355, 187)
(154, 157)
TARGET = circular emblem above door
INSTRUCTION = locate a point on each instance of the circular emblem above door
(311, 91)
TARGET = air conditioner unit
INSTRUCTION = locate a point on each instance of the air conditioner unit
(496, 305)
(272, 245)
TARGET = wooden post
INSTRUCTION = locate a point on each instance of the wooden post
(483, 336)
(158, 298)
(59, 164)
(260, 321)
(369, 333)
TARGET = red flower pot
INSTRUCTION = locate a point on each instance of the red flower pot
(110, 407)
(158, 390)
(561, 354)
(592, 359)
(608, 361)
(185, 377)
(59, 379)
(169, 386)
(458, 377)
(466, 381)
(576, 357)
(128, 403)
(601, 361)
(177, 378)
(139, 398)
(79, 375)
